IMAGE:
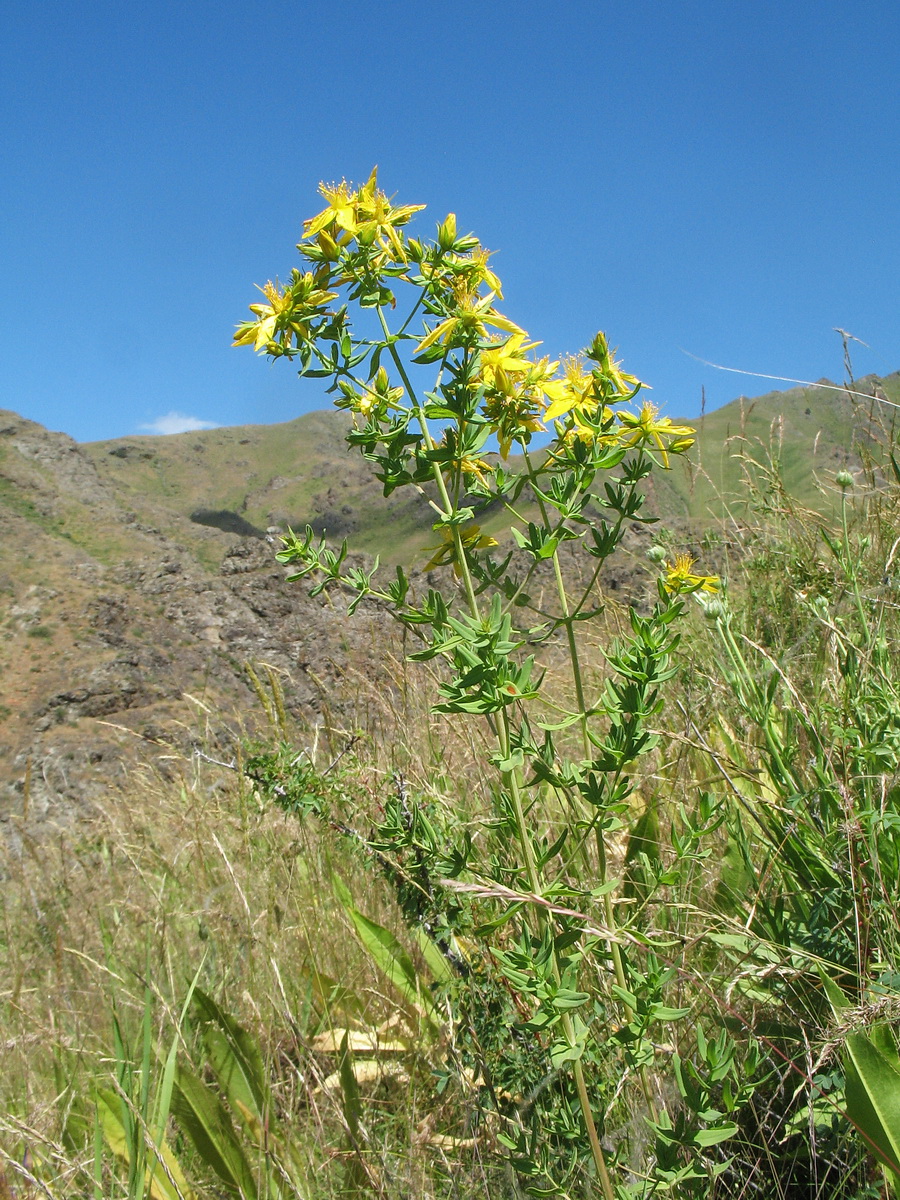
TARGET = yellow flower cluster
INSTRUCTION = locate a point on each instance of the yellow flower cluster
(286, 314)
(363, 213)
(522, 395)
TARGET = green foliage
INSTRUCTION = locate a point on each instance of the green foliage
(813, 769)
(352, 318)
(612, 913)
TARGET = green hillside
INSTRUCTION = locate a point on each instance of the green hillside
(807, 434)
(196, 486)
(243, 480)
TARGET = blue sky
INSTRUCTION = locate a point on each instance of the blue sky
(715, 176)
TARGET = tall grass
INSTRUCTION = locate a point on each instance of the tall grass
(646, 949)
(781, 745)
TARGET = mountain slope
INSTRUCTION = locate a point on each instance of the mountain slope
(137, 576)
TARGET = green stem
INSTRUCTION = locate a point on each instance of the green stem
(462, 561)
(608, 909)
(534, 882)
(851, 568)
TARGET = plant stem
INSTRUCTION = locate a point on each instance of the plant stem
(438, 474)
(534, 882)
(851, 569)
(608, 910)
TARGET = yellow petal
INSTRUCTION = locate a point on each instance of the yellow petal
(264, 332)
(436, 334)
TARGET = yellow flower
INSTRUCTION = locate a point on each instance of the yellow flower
(648, 427)
(472, 539)
(341, 209)
(288, 311)
(680, 579)
(585, 388)
(482, 273)
(506, 358)
(365, 213)
(513, 389)
(473, 315)
(573, 392)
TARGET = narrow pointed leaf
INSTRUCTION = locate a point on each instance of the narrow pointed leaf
(234, 1057)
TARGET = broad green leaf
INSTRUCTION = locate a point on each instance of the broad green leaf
(566, 998)
(350, 1089)
(389, 956)
(836, 997)
(661, 1012)
(732, 941)
(437, 964)
(167, 1082)
(712, 1137)
(873, 1099)
(393, 961)
(562, 1051)
(203, 1118)
(234, 1057)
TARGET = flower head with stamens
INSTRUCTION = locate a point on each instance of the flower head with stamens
(514, 388)
(575, 391)
(287, 314)
(473, 316)
(365, 213)
(680, 578)
(648, 428)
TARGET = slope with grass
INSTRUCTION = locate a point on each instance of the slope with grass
(138, 571)
(803, 435)
(328, 1048)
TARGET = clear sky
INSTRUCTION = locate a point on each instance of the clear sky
(715, 176)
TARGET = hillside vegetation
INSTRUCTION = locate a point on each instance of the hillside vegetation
(262, 886)
(565, 862)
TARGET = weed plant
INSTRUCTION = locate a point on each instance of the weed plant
(590, 907)
(583, 991)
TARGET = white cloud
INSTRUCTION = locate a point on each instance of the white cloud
(176, 422)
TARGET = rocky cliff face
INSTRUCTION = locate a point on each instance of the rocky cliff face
(120, 644)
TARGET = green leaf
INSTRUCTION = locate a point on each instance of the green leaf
(387, 954)
(873, 1099)
(562, 1052)
(390, 958)
(565, 998)
(660, 1012)
(350, 1089)
(836, 997)
(712, 1137)
(114, 1134)
(235, 1058)
(203, 1118)
(437, 964)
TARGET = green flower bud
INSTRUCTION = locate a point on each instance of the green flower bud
(656, 554)
(844, 480)
(714, 609)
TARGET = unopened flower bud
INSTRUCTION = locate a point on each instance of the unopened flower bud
(446, 234)
(656, 554)
(714, 608)
(844, 480)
